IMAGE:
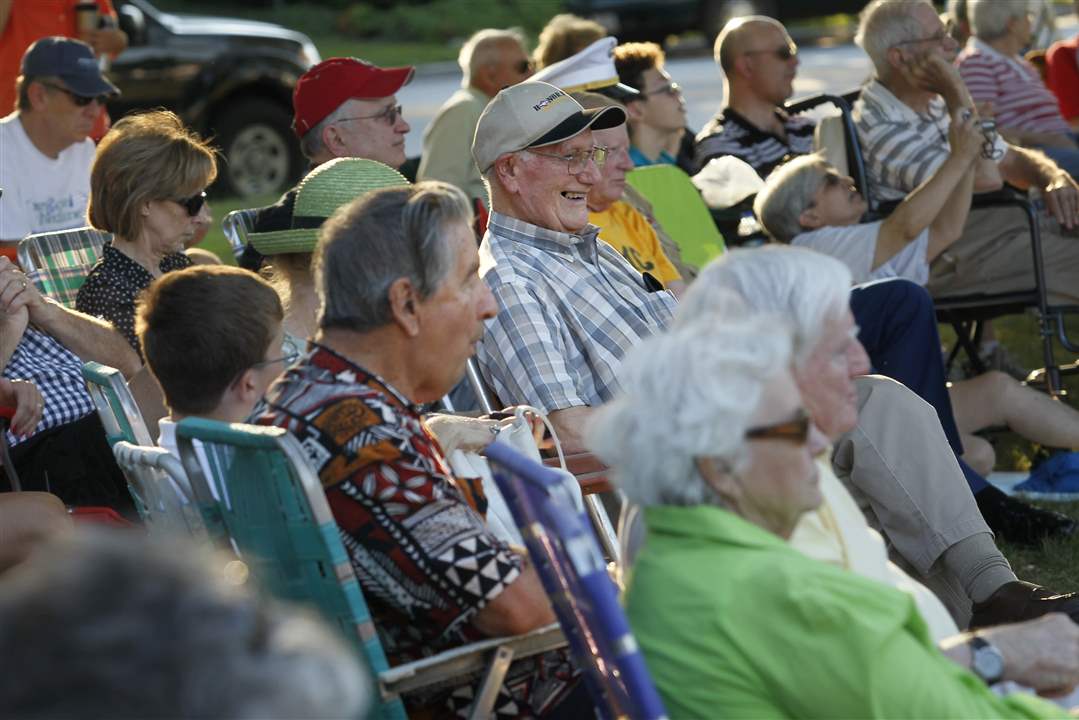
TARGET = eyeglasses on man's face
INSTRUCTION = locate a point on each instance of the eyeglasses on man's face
(79, 100)
(388, 115)
(940, 38)
(578, 160)
(286, 359)
(524, 66)
(671, 88)
(783, 53)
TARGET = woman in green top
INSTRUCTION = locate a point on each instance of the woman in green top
(732, 621)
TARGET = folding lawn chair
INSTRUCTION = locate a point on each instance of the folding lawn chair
(58, 262)
(678, 206)
(585, 599)
(115, 405)
(158, 485)
(273, 511)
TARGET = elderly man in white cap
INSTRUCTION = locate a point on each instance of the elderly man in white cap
(568, 306)
(623, 215)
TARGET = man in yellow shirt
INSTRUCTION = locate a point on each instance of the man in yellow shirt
(622, 226)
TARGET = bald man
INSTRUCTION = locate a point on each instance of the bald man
(759, 61)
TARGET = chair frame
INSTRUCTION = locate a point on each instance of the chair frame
(967, 313)
(115, 405)
(236, 225)
(158, 485)
(585, 599)
(491, 658)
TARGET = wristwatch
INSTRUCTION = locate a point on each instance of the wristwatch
(986, 660)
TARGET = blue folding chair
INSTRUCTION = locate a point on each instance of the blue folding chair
(567, 558)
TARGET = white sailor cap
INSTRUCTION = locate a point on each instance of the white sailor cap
(592, 69)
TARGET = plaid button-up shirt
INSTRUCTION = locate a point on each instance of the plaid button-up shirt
(57, 372)
(569, 308)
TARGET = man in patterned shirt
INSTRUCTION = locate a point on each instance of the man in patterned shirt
(759, 60)
(42, 341)
(402, 309)
(569, 307)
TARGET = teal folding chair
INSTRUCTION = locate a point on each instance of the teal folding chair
(58, 262)
(236, 226)
(158, 485)
(678, 206)
(257, 493)
(115, 405)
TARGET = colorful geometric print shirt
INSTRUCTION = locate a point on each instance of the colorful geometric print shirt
(424, 558)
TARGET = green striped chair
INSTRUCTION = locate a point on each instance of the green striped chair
(257, 494)
(58, 262)
(115, 405)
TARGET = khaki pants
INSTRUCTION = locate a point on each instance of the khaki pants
(901, 471)
(994, 255)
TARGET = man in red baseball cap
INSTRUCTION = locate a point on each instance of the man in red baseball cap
(346, 107)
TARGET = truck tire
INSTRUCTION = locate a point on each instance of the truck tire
(259, 152)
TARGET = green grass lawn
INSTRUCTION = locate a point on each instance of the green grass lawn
(1056, 563)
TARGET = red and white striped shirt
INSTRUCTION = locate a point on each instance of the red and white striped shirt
(1020, 98)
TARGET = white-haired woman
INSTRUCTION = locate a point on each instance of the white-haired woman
(734, 622)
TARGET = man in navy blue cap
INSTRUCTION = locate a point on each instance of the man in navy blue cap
(46, 158)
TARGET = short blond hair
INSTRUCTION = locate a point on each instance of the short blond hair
(565, 34)
(787, 192)
(144, 157)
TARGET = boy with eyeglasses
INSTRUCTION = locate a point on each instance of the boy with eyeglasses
(46, 158)
(760, 61)
(657, 115)
(212, 364)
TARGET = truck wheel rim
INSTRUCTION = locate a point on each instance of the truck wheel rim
(258, 160)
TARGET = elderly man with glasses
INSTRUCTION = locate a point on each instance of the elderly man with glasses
(759, 60)
(569, 306)
(46, 150)
(346, 107)
(903, 117)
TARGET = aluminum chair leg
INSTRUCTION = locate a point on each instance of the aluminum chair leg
(492, 681)
(601, 523)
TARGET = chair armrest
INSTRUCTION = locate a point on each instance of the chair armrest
(589, 471)
(451, 665)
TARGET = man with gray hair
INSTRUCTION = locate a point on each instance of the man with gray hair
(402, 307)
(903, 117)
(569, 305)
(490, 60)
(994, 69)
(888, 445)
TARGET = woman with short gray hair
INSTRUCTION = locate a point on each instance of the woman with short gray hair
(732, 621)
(994, 70)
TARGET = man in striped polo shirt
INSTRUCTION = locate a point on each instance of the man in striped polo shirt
(903, 118)
(993, 68)
(760, 61)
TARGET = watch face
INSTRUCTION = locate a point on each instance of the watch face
(988, 662)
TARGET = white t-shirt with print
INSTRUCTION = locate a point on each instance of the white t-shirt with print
(41, 193)
(856, 245)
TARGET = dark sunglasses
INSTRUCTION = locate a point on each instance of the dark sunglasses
(524, 66)
(783, 54)
(192, 204)
(79, 100)
(795, 431)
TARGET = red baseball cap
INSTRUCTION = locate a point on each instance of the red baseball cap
(323, 88)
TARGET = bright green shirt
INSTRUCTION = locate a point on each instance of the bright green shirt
(735, 623)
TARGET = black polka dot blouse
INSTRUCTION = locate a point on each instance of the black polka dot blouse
(114, 283)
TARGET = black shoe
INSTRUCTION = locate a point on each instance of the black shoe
(1017, 601)
(1017, 522)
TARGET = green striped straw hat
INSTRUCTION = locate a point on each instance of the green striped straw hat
(292, 225)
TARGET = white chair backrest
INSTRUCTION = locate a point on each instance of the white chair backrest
(158, 485)
(830, 139)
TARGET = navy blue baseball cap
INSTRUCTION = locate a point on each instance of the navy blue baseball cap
(72, 61)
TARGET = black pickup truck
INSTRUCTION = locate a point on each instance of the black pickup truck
(229, 79)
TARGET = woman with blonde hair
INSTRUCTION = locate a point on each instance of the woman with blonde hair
(148, 188)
